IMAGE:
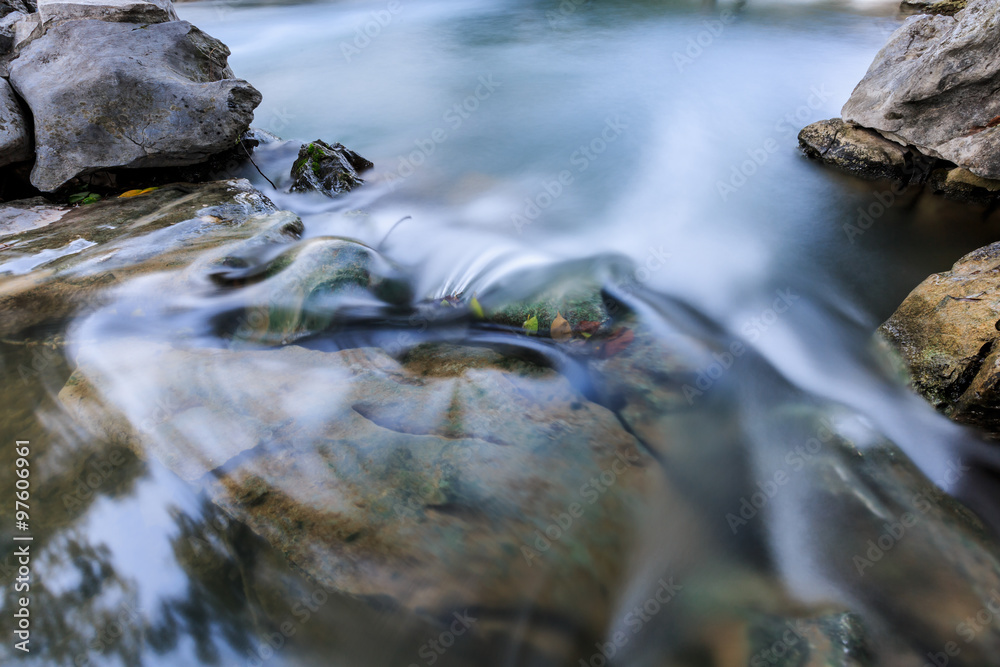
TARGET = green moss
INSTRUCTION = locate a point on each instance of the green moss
(315, 153)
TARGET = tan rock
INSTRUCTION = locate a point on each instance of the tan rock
(947, 331)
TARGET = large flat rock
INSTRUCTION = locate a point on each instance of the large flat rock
(139, 96)
(435, 482)
(54, 261)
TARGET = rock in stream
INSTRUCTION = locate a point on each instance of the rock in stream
(947, 331)
(150, 95)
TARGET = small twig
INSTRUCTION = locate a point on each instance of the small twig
(381, 243)
(250, 157)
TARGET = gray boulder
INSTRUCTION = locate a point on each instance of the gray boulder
(15, 142)
(124, 11)
(933, 86)
(24, 28)
(139, 96)
(10, 6)
(16, 28)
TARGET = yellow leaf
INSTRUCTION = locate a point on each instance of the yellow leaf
(560, 329)
(531, 325)
(476, 308)
(136, 193)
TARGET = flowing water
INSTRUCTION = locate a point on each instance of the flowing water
(649, 147)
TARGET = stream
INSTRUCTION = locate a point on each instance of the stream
(793, 490)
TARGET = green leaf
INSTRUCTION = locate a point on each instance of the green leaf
(531, 325)
(84, 198)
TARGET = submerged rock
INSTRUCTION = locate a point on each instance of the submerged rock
(15, 140)
(430, 483)
(309, 286)
(53, 270)
(331, 170)
(933, 86)
(947, 331)
(139, 96)
(25, 215)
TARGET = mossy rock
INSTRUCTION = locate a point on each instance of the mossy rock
(577, 301)
(331, 170)
(305, 289)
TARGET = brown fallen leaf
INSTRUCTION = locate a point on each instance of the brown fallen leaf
(618, 341)
(560, 329)
(588, 327)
